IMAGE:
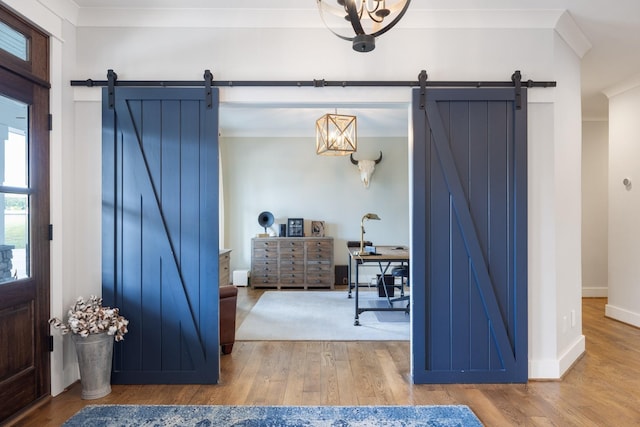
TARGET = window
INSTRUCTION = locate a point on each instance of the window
(13, 42)
(14, 190)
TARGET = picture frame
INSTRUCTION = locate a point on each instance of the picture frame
(317, 228)
(295, 227)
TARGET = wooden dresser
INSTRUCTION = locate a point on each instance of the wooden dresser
(292, 262)
(224, 267)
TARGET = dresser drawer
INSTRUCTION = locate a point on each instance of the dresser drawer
(318, 278)
(263, 278)
(265, 244)
(263, 266)
(292, 255)
(291, 250)
(290, 265)
(291, 244)
(320, 245)
(319, 266)
(319, 250)
(292, 278)
(319, 256)
(265, 253)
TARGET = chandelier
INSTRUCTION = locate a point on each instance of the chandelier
(366, 19)
(336, 135)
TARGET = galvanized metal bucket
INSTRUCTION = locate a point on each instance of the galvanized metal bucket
(94, 359)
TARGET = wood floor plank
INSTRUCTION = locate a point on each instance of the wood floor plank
(487, 410)
(248, 368)
(393, 377)
(358, 360)
(329, 385)
(601, 389)
(295, 379)
(267, 372)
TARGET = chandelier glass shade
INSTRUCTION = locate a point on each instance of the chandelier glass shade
(336, 135)
(361, 21)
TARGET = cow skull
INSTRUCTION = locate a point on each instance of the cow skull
(366, 168)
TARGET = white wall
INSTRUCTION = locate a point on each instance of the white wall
(286, 177)
(568, 207)
(543, 262)
(624, 204)
(595, 207)
(555, 321)
(154, 46)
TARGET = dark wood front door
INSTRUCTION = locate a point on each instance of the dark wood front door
(470, 236)
(160, 232)
(24, 203)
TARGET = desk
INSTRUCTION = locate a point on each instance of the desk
(386, 255)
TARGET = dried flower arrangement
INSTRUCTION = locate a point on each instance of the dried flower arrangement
(90, 317)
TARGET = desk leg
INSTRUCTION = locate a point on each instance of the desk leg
(349, 276)
(357, 318)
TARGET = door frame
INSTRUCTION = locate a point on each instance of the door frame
(28, 82)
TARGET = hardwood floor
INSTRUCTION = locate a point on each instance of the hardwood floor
(602, 389)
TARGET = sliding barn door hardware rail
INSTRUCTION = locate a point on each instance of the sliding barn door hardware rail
(208, 82)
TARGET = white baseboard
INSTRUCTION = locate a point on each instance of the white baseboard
(573, 353)
(622, 315)
(551, 369)
(595, 292)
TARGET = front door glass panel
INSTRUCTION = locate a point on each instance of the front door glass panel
(14, 190)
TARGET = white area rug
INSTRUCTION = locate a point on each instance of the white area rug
(316, 316)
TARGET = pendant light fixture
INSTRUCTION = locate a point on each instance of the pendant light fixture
(336, 134)
(365, 19)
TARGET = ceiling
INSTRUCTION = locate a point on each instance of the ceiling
(612, 28)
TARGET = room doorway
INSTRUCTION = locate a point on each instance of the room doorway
(487, 269)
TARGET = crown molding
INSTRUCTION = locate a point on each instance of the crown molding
(306, 17)
(622, 87)
(567, 28)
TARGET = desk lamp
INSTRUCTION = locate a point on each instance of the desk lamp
(366, 216)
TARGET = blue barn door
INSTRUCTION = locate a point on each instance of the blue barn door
(160, 233)
(469, 250)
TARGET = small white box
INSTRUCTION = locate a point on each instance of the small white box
(241, 277)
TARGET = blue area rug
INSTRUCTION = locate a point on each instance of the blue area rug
(274, 416)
